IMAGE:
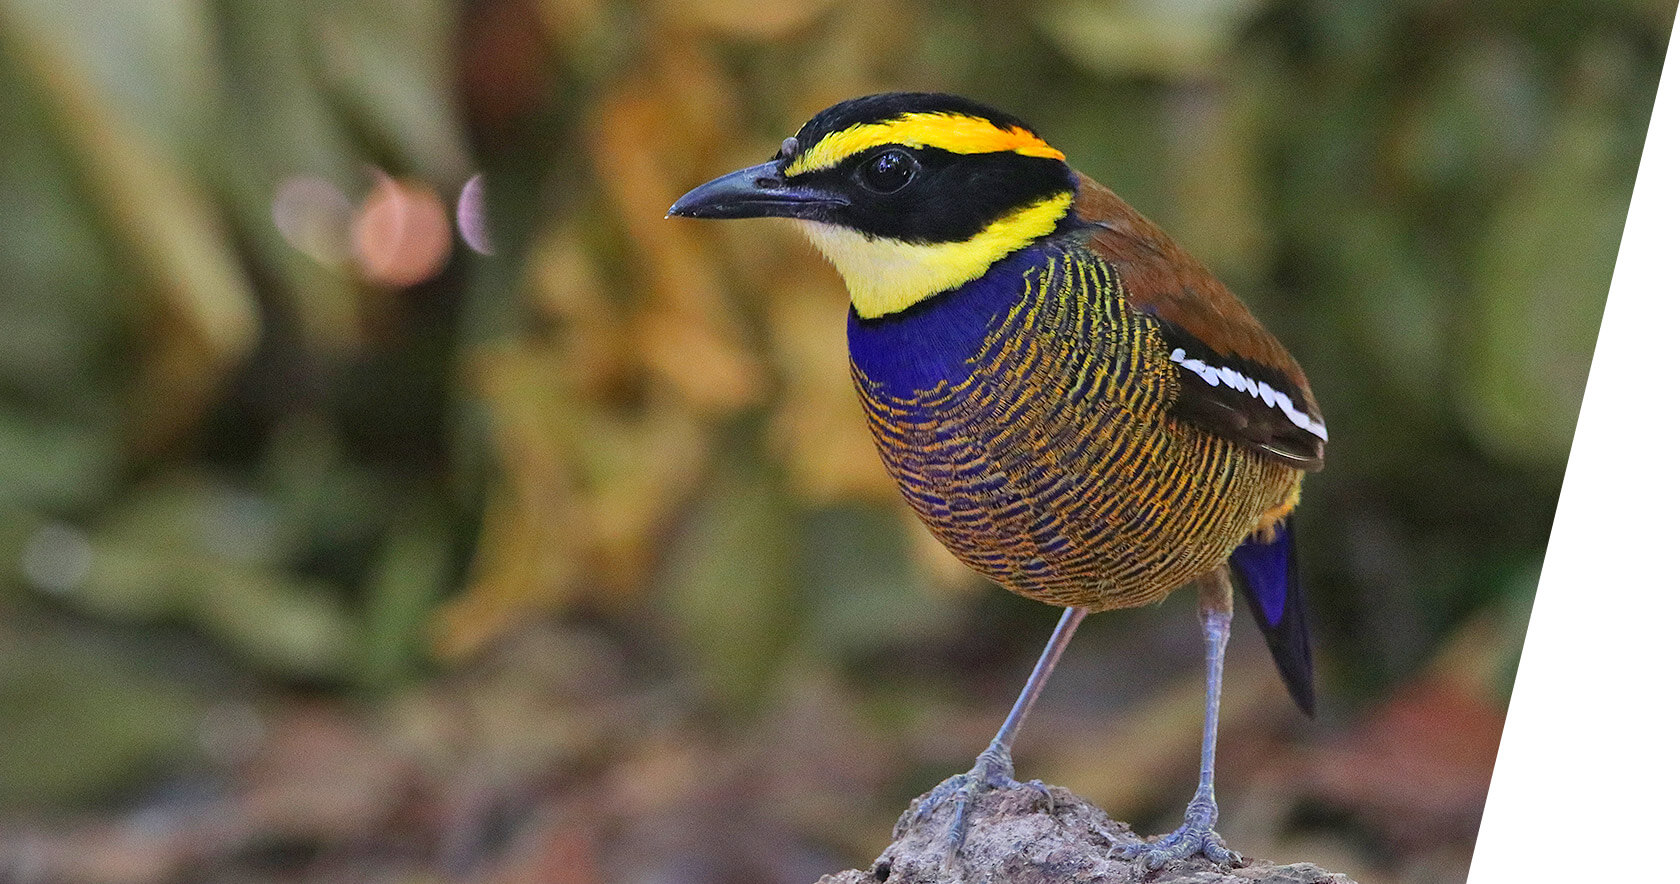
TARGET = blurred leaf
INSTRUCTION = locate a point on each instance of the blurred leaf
(1405, 334)
(79, 721)
(816, 431)
(1174, 38)
(1216, 207)
(54, 466)
(408, 579)
(686, 330)
(749, 19)
(863, 587)
(523, 565)
(1538, 293)
(291, 626)
(1477, 120)
(193, 551)
(206, 316)
(153, 61)
(587, 486)
(279, 122)
(391, 64)
(729, 580)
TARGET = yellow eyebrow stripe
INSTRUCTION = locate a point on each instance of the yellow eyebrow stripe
(957, 133)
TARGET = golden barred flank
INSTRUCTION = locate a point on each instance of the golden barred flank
(1054, 469)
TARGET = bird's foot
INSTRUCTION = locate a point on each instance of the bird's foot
(1195, 837)
(992, 770)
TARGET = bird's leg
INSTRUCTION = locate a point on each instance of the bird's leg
(994, 769)
(1197, 834)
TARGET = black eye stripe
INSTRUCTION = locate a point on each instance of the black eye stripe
(888, 170)
(949, 198)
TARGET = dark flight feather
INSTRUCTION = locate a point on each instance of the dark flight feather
(1266, 574)
(1245, 402)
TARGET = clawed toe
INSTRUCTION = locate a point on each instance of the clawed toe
(1195, 838)
(1044, 794)
(992, 770)
(1186, 842)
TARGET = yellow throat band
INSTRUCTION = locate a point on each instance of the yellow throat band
(886, 276)
(957, 133)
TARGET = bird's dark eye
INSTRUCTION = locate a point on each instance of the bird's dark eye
(888, 171)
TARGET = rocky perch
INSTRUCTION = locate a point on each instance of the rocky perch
(1013, 840)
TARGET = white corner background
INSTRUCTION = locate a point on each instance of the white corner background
(1590, 760)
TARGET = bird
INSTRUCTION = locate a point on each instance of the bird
(1075, 406)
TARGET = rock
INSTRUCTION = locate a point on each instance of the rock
(1014, 839)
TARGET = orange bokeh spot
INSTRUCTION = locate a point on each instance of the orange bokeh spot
(401, 233)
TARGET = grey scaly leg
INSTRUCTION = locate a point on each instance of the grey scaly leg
(995, 769)
(1197, 834)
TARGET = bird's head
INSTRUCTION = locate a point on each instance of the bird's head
(909, 194)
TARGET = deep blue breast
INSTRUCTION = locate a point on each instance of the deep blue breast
(914, 350)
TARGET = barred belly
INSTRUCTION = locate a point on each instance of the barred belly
(1025, 419)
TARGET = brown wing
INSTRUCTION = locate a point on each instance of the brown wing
(1238, 382)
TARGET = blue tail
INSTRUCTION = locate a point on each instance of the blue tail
(1267, 576)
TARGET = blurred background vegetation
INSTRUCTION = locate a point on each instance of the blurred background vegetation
(351, 529)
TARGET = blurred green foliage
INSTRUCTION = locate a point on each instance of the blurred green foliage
(234, 464)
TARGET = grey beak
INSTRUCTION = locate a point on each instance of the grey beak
(756, 192)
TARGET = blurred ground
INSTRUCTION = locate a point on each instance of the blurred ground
(353, 530)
